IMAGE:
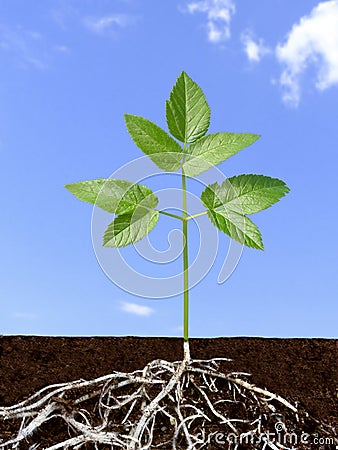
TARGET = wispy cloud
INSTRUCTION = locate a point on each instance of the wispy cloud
(27, 47)
(61, 49)
(218, 17)
(312, 41)
(135, 308)
(108, 22)
(24, 315)
(69, 13)
(255, 49)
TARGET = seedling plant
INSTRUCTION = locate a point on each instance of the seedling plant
(227, 205)
(182, 404)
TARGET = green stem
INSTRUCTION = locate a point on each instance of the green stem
(171, 215)
(185, 258)
(196, 215)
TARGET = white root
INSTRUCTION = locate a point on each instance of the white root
(151, 408)
(177, 405)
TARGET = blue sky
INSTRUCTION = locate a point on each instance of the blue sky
(70, 69)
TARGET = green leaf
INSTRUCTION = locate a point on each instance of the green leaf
(187, 112)
(106, 193)
(137, 195)
(162, 149)
(257, 192)
(248, 194)
(129, 228)
(134, 203)
(229, 219)
(238, 227)
(213, 149)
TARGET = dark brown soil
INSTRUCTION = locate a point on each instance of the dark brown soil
(304, 371)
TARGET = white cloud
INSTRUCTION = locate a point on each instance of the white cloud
(25, 315)
(106, 23)
(313, 40)
(219, 14)
(254, 49)
(135, 308)
(61, 48)
(28, 48)
(25, 46)
(69, 12)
